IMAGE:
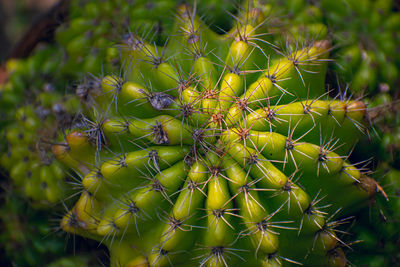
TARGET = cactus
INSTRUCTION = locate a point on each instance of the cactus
(366, 33)
(28, 234)
(28, 159)
(379, 236)
(39, 88)
(376, 229)
(365, 36)
(23, 83)
(216, 150)
(83, 44)
(22, 235)
(384, 115)
(87, 37)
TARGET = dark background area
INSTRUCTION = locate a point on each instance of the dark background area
(16, 16)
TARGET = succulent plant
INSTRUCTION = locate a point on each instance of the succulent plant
(216, 150)
(27, 148)
(87, 37)
(35, 102)
(384, 114)
(368, 41)
(27, 78)
(23, 234)
(377, 231)
(32, 237)
(83, 44)
(365, 36)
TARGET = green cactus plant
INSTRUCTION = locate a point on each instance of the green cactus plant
(365, 36)
(83, 44)
(216, 150)
(38, 88)
(28, 158)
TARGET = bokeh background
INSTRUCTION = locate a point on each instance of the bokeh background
(16, 16)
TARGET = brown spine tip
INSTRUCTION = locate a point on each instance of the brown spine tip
(356, 110)
(356, 105)
(77, 139)
(336, 258)
(323, 44)
(368, 184)
(184, 11)
(60, 151)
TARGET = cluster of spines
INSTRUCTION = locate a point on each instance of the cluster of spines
(210, 154)
(363, 32)
(384, 218)
(87, 37)
(35, 87)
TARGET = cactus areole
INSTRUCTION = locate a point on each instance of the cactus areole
(216, 150)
